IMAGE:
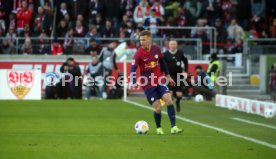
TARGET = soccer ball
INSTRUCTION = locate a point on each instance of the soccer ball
(141, 127)
(199, 98)
(269, 113)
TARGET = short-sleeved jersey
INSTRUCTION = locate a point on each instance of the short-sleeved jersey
(148, 62)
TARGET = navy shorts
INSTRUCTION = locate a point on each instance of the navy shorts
(156, 93)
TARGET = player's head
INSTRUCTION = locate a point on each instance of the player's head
(173, 45)
(145, 39)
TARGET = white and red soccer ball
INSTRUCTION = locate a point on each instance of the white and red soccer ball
(141, 127)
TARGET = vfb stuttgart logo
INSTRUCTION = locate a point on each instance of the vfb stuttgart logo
(20, 82)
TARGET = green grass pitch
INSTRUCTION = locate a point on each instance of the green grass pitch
(77, 129)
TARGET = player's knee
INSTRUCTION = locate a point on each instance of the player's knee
(168, 99)
(169, 102)
(158, 110)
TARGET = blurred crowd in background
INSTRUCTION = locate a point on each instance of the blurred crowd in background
(68, 21)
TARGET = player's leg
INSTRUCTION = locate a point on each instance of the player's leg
(154, 100)
(166, 96)
(172, 90)
(157, 113)
(170, 108)
(157, 116)
(178, 95)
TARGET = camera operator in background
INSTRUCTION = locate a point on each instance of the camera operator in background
(204, 85)
(95, 78)
(70, 85)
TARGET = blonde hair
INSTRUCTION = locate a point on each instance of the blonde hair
(145, 33)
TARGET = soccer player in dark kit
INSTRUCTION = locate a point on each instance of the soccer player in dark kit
(152, 66)
(177, 64)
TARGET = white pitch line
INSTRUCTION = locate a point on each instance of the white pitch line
(254, 123)
(210, 127)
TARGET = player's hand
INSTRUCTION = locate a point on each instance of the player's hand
(134, 86)
(172, 83)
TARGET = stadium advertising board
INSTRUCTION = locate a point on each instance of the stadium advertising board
(20, 84)
(244, 105)
(53, 66)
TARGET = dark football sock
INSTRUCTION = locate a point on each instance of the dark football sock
(171, 114)
(157, 118)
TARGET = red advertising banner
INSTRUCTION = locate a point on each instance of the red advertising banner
(50, 66)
